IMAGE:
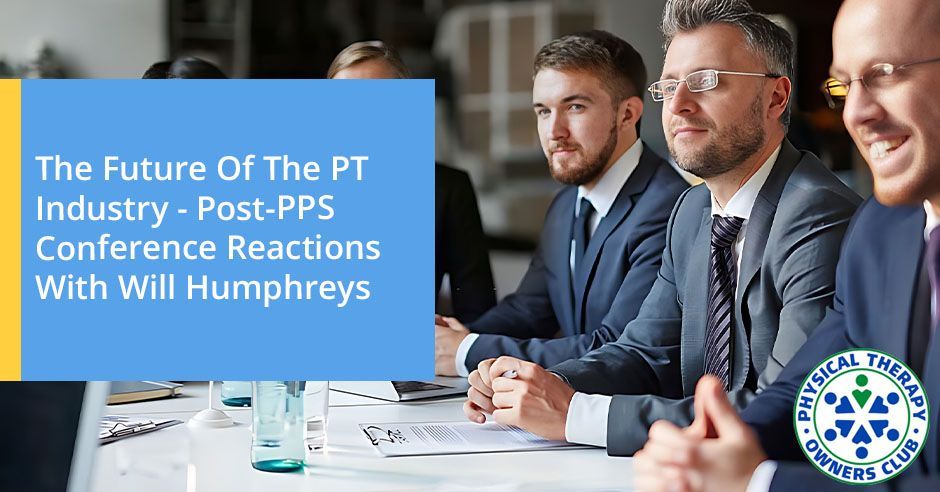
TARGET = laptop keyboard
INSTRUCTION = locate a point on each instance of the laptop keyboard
(415, 386)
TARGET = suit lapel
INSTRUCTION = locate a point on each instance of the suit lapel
(755, 241)
(636, 184)
(695, 304)
(762, 218)
(556, 247)
(902, 275)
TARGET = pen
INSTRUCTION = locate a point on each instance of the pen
(509, 374)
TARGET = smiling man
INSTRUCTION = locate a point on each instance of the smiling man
(603, 237)
(885, 68)
(749, 264)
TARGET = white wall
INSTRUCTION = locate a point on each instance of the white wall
(92, 38)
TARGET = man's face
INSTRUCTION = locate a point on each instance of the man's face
(710, 133)
(577, 124)
(895, 125)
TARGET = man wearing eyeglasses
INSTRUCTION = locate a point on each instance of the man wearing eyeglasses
(885, 68)
(748, 269)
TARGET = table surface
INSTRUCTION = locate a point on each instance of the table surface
(181, 458)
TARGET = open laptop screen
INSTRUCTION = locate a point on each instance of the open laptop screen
(46, 435)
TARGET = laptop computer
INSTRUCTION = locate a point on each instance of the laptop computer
(134, 391)
(49, 432)
(404, 390)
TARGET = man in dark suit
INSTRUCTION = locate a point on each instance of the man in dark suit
(460, 249)
(886, 62)
(749, 263)
(460, 245)
(602, 241)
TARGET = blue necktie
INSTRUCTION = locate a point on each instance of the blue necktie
(721, 287)
(582, 233)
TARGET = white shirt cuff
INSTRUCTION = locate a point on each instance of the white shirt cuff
(587, 419)
(461, 357)
(763, 475)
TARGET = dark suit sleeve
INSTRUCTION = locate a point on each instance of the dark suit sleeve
(467, 259)
(645, 257)
(803, 476)
(526, 313)
(630, 417)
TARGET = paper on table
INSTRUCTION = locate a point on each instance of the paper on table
(423, 438)
(114, 427)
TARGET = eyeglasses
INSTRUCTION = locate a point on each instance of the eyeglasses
(701, 81)
(878, 76)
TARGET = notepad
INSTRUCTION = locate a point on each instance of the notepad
(428, 438)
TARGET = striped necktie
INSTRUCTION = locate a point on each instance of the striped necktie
(721, 287)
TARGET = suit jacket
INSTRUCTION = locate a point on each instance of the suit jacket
(460, 246)
(623, 255)
(876, 286)
(801, 212)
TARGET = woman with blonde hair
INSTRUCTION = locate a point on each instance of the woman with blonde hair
(368, 60)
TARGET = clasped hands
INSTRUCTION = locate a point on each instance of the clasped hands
(534, 399)
(718, 452)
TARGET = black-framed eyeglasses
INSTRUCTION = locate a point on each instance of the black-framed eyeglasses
(700, 81)
(877, 77)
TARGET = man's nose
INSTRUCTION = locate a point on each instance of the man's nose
(557, 127)
(683, 100)
(862, 107)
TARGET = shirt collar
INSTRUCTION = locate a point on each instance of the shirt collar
(933, 220)
(605, 192)
(742, 201)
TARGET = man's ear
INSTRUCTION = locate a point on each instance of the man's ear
(779, 97)
(629, 111)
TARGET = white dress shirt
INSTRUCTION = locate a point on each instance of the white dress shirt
(933, 220)
(587, 413)
(602, 198)
(764, 474)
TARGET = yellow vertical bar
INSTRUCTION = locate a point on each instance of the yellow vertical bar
(10, 163)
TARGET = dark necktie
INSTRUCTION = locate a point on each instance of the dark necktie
(722, 281)
(933, 269)
(932, 356)
(582, 232)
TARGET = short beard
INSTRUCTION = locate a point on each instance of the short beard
(728, 149)
(592, 168)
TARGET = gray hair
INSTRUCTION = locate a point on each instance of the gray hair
(762, 36)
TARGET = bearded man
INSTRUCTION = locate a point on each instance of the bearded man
(604, 233)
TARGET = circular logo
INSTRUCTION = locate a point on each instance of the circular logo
(861, 416)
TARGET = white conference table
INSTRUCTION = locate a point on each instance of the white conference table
(181, 458)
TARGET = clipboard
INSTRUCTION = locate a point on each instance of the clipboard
(117, 427)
